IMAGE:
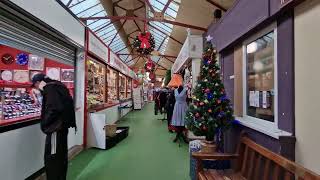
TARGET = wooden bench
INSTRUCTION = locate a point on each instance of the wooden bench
(253, 161)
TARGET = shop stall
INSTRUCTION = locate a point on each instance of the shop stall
(189, 59)
(29, 46)
(109, 90)
(255, 42)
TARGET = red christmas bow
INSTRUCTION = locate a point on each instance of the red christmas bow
(144, 38)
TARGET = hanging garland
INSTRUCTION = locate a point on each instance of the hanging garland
(149, 66)
(144, 43)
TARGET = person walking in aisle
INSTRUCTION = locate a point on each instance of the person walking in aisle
(57, 116)
(179, 112)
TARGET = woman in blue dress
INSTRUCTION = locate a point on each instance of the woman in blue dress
(179, 112)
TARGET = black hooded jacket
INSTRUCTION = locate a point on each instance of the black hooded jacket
(57, 108)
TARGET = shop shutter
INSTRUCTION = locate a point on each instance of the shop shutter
(16, 34)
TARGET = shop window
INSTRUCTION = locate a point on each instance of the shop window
(260, 93)
(112, 85)
(129, 87)
(122, 87)
(96, 83)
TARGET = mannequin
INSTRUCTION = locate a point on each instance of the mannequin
(179, 112)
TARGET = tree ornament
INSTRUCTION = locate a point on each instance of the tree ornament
(210, 110)
(197, 115)
(207, 90)
(209, 96)
(201, 103)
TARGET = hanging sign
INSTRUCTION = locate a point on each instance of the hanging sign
(97, 47)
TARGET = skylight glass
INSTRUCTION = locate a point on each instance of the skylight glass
(103, 28)
(161, 30)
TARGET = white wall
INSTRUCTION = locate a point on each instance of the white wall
(77, 138)
(52, 13)
(21, 152)
(307, 86)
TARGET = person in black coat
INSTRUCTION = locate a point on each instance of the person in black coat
(57, 116)
(171, 100)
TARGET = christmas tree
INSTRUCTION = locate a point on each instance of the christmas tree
(211, 113)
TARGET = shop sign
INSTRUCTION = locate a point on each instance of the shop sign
(116, 62)
(96, 47)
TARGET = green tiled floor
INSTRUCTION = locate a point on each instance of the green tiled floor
(147, 154)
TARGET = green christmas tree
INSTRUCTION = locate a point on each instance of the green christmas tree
(211, 113)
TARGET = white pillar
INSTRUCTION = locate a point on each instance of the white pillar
(196, 65)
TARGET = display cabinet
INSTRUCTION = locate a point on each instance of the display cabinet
(129, 88)
(122, 87)
(17, 104)
(112, 85)
(96, 83)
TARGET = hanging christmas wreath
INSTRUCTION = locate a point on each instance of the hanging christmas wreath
(149, 66)
(144, 43)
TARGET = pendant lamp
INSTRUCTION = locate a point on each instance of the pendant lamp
(176, 81)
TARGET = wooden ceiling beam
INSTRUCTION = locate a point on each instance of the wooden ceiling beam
(217, 5)
(146, 20)
(165, 34)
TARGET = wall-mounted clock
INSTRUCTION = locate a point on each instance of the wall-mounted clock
(22, 59)
(53, 73)
(6, 75)
(7, 59)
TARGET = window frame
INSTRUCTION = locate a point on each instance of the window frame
(269, 126)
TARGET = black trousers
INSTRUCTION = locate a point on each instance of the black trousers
(56, 155)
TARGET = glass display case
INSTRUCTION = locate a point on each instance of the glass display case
(122, 87)
(129, 88)
(96, 83)
(112, 85)
(17, 103)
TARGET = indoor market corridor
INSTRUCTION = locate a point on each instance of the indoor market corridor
(147, 153)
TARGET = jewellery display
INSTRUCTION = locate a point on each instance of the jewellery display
(7, 59)
(36, 62)
(53, 73)
(21, 76)
(6, 75)
(22, 59)
(16, 104)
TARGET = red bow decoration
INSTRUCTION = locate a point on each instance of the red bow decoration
(144, 38)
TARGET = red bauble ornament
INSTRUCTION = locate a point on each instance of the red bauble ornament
(219, 101)
(207, 90)
(204, 128)
(209, 110)
(201, 103)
